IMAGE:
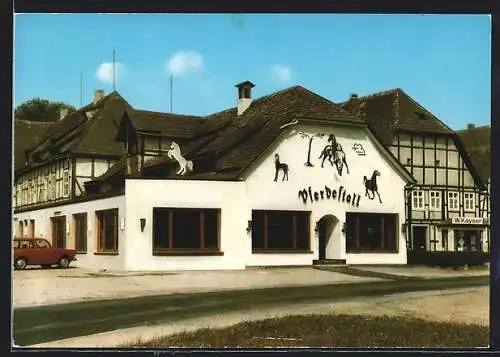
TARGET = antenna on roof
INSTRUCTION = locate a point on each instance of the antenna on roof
(171, 88)
(114, 70)
(81, 87)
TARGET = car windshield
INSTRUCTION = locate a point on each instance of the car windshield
(42, 244)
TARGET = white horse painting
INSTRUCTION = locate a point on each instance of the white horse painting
(175, 153)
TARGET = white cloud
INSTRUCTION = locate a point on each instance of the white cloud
(183, 62)
(105, 72)
(282, 72)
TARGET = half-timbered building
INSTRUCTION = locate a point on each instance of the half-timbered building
(448, 208)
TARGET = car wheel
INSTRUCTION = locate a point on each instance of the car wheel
(20, 263)
(63, 263)
(46, 266)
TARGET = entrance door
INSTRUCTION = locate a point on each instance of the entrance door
(326, 240)
(419, 238)
(59, 232)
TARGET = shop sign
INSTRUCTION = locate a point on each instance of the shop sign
(467, 220)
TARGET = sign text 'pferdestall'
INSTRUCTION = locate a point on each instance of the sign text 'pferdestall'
(341, 195)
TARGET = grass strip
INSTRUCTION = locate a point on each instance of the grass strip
(329, 331)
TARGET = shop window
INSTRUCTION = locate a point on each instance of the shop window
(107, 231)
(80, 221)
(435, 200)
(185, 229)
(418, 200)
(280, 231)
(469, 201)
(371, 232)
(467, 240)
(453, 201)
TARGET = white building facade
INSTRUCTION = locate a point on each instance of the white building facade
(319, 192)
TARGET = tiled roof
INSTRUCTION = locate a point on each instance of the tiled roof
(86, 130)
(392, 110)
(239, 140)
(174, 125)
(477, 143)
(26, 135)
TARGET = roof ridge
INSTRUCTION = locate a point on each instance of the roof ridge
(165, 113)
(34, 121)
(378, 94)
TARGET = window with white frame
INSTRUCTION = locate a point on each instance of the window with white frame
(435, 200)
(469, 201)
(418, 200)
(66, 183)
(452, 201)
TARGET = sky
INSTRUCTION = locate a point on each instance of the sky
(442, 61)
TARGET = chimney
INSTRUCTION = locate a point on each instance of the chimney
(352, 105)
(354, 96)
(98, 95)
(471, 126)
(63, 112)
(244, 96)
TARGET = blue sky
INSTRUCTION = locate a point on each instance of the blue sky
(442, 61)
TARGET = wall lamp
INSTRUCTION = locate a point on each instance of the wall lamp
(344, 227)
(316, 227)
(249, 226)
(143, 223)
(403, 228)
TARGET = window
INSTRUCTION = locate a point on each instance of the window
(435, 200)
(41, 243)
(453, 201)
(280, 230)
(29, 191)
(418, 200)
(107, 231)
(371, 232)
(469, 201)
(66, 183)
(185, 229)
(80, 220)
(444, 240)
(54, 185)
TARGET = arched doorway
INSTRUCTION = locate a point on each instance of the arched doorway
(326, 231)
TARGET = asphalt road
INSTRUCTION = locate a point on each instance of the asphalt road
(47, 323)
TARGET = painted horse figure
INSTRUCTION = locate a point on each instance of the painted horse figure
(280, 166)
(174, 152)
(371, 185)
(334, 153)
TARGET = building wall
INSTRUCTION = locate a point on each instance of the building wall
(143, 195)
(43, 229)
(266, 194)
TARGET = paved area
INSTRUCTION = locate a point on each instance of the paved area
(424, 271)
(35, 287)
(464, 306)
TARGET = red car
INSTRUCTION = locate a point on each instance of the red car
(38, 251)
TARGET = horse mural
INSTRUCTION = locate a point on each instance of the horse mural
(371, 186)
(174, 152)
(280, 166)
(334, 153)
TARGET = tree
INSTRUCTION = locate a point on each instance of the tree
(42, 110)
(310, 137)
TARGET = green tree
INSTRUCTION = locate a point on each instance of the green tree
(43, 110)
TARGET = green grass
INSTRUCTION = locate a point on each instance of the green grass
(48, 323)
(329, 331)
